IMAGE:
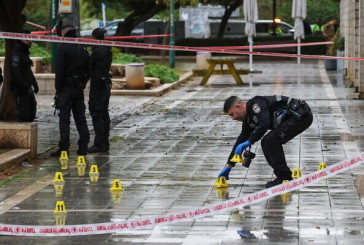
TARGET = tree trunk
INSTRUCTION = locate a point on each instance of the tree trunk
(227, 14)
(11, 20)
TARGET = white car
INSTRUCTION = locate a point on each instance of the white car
(110, 29)
(235, 28)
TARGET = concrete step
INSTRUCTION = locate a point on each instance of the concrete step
(13, 157)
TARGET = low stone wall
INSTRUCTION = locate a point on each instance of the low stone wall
(19, 135)
(37, 63)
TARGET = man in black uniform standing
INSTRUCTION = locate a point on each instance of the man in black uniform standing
(72, 74)
(100, 62)
(24, 83)
(286, 118)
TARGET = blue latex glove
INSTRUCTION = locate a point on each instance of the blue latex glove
(224, 172)
(240, 148)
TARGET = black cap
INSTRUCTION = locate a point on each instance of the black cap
(98, 33)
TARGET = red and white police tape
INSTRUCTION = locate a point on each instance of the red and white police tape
(196, 213)
(41, 38)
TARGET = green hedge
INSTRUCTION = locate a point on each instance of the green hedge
(164, 73)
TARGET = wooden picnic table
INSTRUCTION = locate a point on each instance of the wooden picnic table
(230, 71)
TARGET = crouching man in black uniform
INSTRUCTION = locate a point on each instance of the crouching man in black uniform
(286, 118)
(24, 83)
(72, 74)
(100, 62)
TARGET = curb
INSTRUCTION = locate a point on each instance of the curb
(165, 88)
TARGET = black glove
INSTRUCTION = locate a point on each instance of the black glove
(36, 88)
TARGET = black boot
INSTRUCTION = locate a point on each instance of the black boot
(58, 152)
(95, 149)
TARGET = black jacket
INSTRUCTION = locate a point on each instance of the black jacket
(72, 60)
(21, 72)
(261, 114)
(100, 62)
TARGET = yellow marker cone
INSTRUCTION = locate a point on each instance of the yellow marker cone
(60, 207)
(81, 168)
(63, 158)
(116, 185)
(296, 173)
(60, 219)
(237, 158)
(81, 160)
(58, 178)
(59, 190)
(94, 173)
(285, 181)
(221, 182)
(321, 166)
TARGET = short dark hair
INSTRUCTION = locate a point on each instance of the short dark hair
(229, 102)
(98, 33)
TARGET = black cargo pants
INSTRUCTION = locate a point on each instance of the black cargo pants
(272, 143)
(72, 100)
(99, 110)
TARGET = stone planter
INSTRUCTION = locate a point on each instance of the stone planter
(134, 76)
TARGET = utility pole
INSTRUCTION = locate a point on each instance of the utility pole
(171, 38)
(274, 19)
(53, 24)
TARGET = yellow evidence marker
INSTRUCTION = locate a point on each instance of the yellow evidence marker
(116, 185)
(221, 182)
(321, 166)
(237, 158)
(296, 173)
(63, 159)
(58, 179)
(81, 160)
(94, 173)
(60, 208)
(59, 190)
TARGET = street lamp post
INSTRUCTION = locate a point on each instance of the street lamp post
(171, 38)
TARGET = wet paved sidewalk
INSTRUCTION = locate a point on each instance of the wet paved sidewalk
(167, 152)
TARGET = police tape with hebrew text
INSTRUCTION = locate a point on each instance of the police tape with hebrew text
(148, 222)
(41, 38)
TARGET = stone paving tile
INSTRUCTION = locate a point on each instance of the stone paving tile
(168, 152)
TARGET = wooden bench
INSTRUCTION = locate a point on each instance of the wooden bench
(230, 71)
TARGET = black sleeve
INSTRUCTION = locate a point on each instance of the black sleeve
(261, 112)
(60, 69)
(16, 72)
(241, 138)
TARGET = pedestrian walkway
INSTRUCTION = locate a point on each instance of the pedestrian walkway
(167, 152)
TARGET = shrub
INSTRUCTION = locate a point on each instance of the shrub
(124, 58)
(164, 73)
(39, 51)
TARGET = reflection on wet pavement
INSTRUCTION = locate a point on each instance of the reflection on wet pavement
(168, 153)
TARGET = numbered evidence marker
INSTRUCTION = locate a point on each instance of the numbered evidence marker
(60, 208)
(237, 158)
(81, 160)
(116, 185)
(221, 182)
(296, 173)
(63, 159)
(94, 173)
(58, 179)
(81, 165)
(321, 166)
